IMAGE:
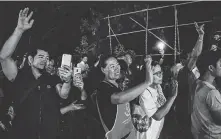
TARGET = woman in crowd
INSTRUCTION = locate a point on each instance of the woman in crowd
(154, 107)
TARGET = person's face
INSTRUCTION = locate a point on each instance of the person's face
(157, 75)
(128, 59)
(216, 71)
(50, 66)
(84, 59)
(112, 69)
(40, 59)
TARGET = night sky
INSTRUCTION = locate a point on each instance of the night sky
(58, 23)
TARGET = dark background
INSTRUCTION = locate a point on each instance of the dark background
(58, 24)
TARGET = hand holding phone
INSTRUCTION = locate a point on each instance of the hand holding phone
(65, 73)
(78, 81)
(66, 60)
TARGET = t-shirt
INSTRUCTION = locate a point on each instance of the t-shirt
(38, 115)
(107, 109)
(117, 118)
(150, 100)
(206, 98)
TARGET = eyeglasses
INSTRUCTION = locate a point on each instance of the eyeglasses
(159, 73)
(113, 67)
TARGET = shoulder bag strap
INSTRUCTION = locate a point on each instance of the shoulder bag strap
(102, 122)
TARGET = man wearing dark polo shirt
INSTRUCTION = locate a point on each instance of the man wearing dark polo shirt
(37, 116)
(186, 78)
(113, 103)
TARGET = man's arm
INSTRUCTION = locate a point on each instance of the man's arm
(63, 90)
(197, 50)
(162, 111)
(65, 75)
(83, 94)
(162, 57)
(97, 62)
(8, 64)
(130, 94)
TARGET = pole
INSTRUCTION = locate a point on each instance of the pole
(137, 31)
(175, 33)
(146, 33)
(109, 34)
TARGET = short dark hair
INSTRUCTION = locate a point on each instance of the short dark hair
(206, 59)
(103, 60)
(123, 65)
(40, 45)
(131, 53)
(184, 54)
(35, 51)
(84, 55)
(154, 63)
(128, 52)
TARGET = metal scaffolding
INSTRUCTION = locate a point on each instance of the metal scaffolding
(147, 30)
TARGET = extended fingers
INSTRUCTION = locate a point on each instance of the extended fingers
(29, 16)
(147, 58)
(67, 67)
(65, 70)
(196, 25)
(20, 13)
(24, 12)
(202, 26)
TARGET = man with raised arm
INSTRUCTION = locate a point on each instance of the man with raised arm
(36, 101)
(186, 77)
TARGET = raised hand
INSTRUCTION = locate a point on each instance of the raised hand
(99, 56)
(24, 22)
(65, 73)
(174, 88)
(199, 29)
(149, 73)
(161, 51)
(148, 61)
(78, 81)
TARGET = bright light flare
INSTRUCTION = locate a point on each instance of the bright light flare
(160, 45)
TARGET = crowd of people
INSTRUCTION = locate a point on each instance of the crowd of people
(111, 99)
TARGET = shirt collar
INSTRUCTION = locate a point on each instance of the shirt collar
(209, 84)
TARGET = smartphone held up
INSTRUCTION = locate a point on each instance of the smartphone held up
(66, 60)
